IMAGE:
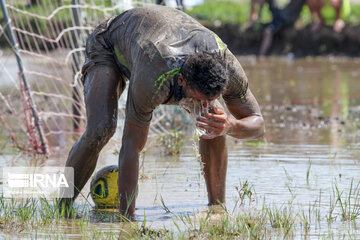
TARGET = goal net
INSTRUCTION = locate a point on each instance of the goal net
(51, 36)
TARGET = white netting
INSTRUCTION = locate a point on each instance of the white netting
(51, 35)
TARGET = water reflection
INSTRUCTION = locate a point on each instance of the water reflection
(306, 100)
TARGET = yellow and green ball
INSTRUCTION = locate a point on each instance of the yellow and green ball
(104, 187)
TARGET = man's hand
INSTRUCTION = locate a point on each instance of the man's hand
(216, 124)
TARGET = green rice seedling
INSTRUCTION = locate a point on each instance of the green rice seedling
(147, 233)
(176, 225)
(27, 211)
(95, 235)
(244, 226)
(236, 204)
(195, 225)
(308, 173)
(163, 206)
(317, 210)
(129, 201)
(144, 221)
(349, 204)
(256, 143)
(306, 218)
(8, 208)
(245, 191)
(152, 234)
(250, 225)
(49, 211)
(127, 230)
(203, 223)
(180, 233)
(281, 218)
(330, 218)
(293, 195)
(66, 210)
(223, 229)
(223, 207)
(198, 222)
(111, 234)
(172, 142)
(287, 175)
(253, 224)
(188, 221)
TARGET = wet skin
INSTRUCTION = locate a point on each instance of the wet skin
(246, 122)
(102, 90)
(101, 101)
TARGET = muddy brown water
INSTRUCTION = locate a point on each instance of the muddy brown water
(312, 113)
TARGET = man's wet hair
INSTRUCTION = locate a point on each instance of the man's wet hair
(206, 72)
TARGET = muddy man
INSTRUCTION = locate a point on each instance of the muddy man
(167, 57)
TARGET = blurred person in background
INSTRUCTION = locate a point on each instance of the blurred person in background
(286, 17)
(341, 9)
(255, 11)
(282, 18)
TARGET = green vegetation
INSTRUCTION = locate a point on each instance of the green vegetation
(256, 143)
(286, 221)
(348, 202)
(223, 11)
(235, 12)
(171, 142)
(245, 191)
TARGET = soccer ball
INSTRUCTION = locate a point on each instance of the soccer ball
(104, 187)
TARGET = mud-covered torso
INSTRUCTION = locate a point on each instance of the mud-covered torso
(152, 43)
(160, 35)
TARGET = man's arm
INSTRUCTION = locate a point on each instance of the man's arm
(246, 120)
(133, 141)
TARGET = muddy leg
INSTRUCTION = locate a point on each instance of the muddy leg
(215, 158)
(266, 42)
(315, 7)
(102, 89)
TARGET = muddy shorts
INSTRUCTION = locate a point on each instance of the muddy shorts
(284, 17)
(99, 52)
(278, 23)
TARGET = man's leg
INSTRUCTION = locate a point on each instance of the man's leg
(339, 23)
(255, 11)
(103, 86)
(266, 41)
(215, 158)
(315, 7)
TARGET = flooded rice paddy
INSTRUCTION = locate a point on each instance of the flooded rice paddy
(299, 182)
